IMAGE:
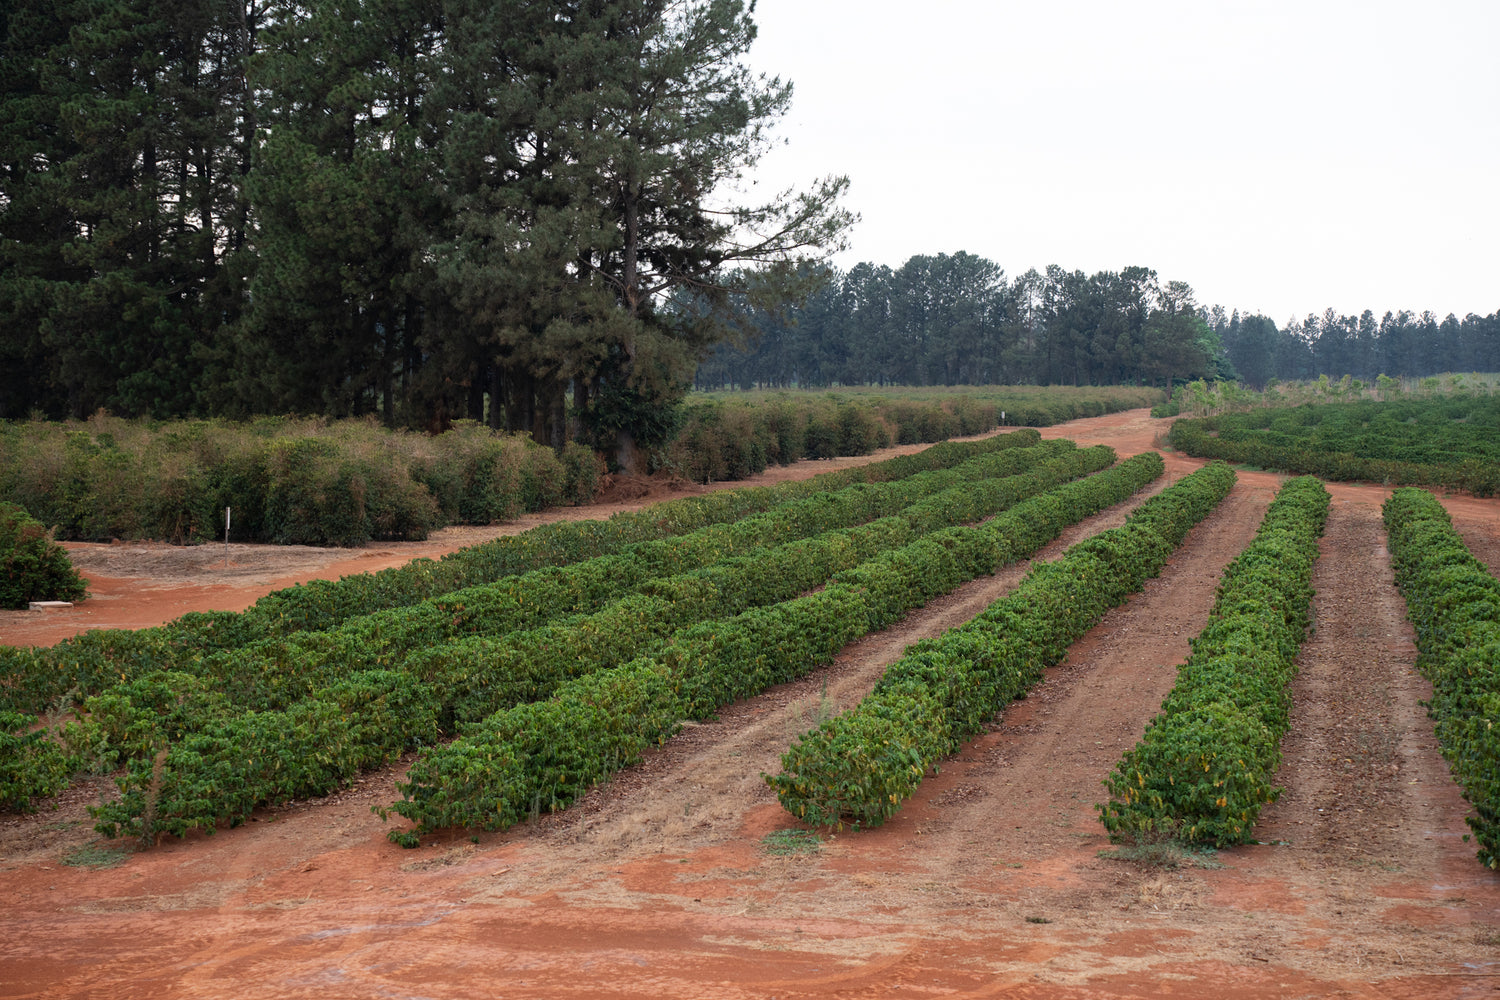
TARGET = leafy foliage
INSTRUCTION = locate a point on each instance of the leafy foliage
(1203, 770)
(1454, 605)
(1452, 441)
(859, 767)
(32, 765)
(286, 719)
(32, 566)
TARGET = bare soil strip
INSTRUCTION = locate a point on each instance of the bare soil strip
(989, 883)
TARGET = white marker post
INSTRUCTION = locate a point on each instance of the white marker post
(226, 537)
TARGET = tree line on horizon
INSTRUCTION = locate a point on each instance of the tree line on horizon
(957, 319)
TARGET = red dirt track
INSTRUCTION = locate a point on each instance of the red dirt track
(995, 880)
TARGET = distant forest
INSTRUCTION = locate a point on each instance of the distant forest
(956, 319)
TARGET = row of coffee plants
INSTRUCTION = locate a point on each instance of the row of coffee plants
(733, 435)
(859, 767)
(1451, 441)
(1203, 769)
(323, 604)
(360, 706)
(542, 755)
(31, 680)
(1454, 605)
(81, 664)
(486, 673)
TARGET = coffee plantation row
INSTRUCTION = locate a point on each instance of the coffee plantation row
(542, 755)
(32, 680)
(32, 765)
(1452, 441)
(858, 768)
(291, 718)
(1455, 609)
(1204, 768)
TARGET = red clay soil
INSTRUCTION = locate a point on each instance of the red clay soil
(995, 880)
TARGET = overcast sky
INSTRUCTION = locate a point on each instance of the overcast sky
(1281, 157)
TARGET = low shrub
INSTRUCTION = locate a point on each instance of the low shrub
(1202, 772)
(32, 566)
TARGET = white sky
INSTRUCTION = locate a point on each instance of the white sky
(1278, 156)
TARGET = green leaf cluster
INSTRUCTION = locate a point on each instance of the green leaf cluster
(859, 767)
(1202, 771)
(32, 765)
(32, 566)
(1454, 605)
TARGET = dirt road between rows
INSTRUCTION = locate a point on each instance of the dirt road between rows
(995, 880)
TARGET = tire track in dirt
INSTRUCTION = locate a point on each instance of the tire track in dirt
(1367, 794)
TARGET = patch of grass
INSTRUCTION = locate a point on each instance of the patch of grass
(1165, 854)
(1039, 920)
(784, 842)
(96, 857)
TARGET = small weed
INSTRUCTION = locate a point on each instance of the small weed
(1039, 920)
(96, 857)
(404, 838)
(783, 842)
(1165, 854)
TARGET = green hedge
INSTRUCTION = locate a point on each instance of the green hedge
(1203, 770)
(1453, 441)
(288, 481)
(499, 772)
(1454, 604)
(859, 767)
(418, 687)
(32, 566)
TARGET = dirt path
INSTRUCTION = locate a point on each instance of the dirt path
(990, 882)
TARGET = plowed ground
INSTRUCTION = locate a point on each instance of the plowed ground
(996, 880)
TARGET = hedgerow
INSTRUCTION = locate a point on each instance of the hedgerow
(1202, 771)
(1454, 605)
(858, 768)
(499, 773)
(1453, 441)
(395, 692)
